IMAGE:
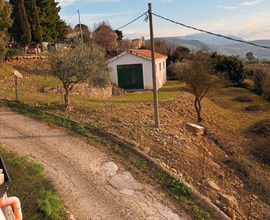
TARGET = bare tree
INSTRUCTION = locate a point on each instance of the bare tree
(198, 74)
(85, 32)
(126, 44)
(160, 47)
(105, 36)
(84, 63)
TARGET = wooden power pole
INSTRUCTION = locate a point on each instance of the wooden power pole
(80, 26)
(153, 66)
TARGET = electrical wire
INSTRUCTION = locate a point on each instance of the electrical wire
(145, 13)
(105, 32)
(208, 32)
(71, 16)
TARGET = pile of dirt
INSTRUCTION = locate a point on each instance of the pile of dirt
(262, 127)
(117, 91)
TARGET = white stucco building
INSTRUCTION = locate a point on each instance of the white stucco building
(132, 69)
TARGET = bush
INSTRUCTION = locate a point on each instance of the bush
(178, 188)
(172, 73)
(259, 81)
(255, 108)
(243, 98)
(50, 204)
(262, 151)
(232, 67)
(14, 52)
(262, 127)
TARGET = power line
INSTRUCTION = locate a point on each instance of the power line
(145, 13)
(72, 16)
(208, 32)
(104, 32)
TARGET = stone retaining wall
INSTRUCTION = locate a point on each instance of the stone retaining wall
(84, 89)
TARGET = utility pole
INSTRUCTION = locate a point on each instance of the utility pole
(153, 66)
(80, 25)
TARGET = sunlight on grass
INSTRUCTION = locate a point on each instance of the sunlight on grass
(232, 113)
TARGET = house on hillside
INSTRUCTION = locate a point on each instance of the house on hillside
(138, 43)
(132, 69)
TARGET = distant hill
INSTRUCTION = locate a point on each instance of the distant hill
(228, 50)
(241, 49)
(210, 39)
(193, 45)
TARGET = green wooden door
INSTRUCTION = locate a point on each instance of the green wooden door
(130, 76)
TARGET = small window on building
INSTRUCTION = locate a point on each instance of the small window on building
(159, 66)
(163, 64)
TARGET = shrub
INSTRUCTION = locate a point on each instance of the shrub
(255, 108)
(14, 52)
(231, 66)
(171, 72)
(178, 188)
(79, 128)
(50, 204)
(262, 151)
(243, 98)
(262, 127)
(259, 81)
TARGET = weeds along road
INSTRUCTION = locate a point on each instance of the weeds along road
(91, 187)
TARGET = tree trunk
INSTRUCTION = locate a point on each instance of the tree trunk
(197, 104)
(68, 106)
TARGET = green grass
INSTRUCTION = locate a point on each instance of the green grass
(232, 112)
(35, 192)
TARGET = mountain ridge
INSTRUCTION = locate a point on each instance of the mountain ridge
(228, 49)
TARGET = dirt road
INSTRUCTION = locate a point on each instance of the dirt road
(92, 186)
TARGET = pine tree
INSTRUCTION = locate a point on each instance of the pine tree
(20, 29)
(53, 27)
(33, 19)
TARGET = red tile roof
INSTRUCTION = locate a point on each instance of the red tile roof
(147, 53)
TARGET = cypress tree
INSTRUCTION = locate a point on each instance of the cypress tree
(20, 29)
(52, 26)
(33, 19)
(5, 22)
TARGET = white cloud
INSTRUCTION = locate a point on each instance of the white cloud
(251, 3)
(165, 1)
(64, 3)
(227, 7)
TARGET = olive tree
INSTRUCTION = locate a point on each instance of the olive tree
(84, 63)
(198, 74)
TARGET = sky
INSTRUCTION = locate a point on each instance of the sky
(249, 20)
